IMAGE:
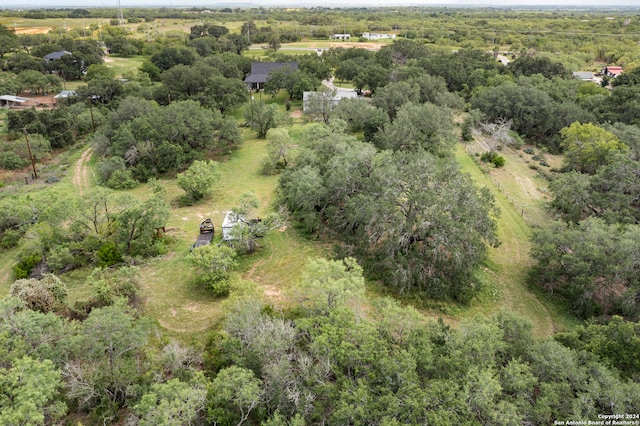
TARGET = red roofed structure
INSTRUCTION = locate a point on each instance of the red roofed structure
(612, 71)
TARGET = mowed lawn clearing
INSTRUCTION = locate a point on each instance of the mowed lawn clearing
(124, 65)
(168, 289)
(508, 264)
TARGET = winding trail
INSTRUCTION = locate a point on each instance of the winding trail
(81, 172)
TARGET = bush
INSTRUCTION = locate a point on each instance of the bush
(216, 263)
(45, 295)
(11, 161)
(25, 265)
(112, 284)
(529, 151)
(498, 161)
(10, 238)
(108, 255)
(219, 286)
(122, 179)
(107, 167)
(493, 158)
(62, 259)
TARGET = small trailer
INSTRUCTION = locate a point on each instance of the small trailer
(207, 231)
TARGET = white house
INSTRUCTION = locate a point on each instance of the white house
(375, 36)
(340, 36)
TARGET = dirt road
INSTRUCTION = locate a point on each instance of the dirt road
(81, 172)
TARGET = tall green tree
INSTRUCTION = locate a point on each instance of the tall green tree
(8, 40)
(173, 403)
(262, 117)
(30, 389)
(587, 146)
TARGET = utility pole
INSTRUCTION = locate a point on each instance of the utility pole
(33, 162)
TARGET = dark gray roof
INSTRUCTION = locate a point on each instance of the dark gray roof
(583, 75)
(260, 70)
(56, 55)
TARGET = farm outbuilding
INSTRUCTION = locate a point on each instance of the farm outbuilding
(10, 101)
(230, 221)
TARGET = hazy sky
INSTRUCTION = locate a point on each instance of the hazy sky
(329, 3)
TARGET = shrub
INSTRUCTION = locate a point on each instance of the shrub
(25, 265)
(45, 295)
(529, 151)
(215, 263)
(107, 167)
(11, 161)
(498, 161)
(108, 255)
(218, 286)
(122, 179)
(493, 158)
(10, 238)
(63, 259)
(112, 284)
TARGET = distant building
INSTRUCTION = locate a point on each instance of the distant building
(374, 36)
(10, 101)
(65, 94)
(260, 72)
(307, 98)
(584, 75)
(56, 55)
(612, 72)
(340, 36)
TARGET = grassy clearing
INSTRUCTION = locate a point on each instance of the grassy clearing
(525, 189)
(508, 265)
(168, 288)
(125, 65)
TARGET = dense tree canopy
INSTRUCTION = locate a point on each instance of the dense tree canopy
(170, 138)
(594, 265)
(406, 211)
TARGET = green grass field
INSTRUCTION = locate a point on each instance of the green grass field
(172, 298)
(124, 65)
(508, 265)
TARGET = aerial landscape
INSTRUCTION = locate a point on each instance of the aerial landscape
(319, 215)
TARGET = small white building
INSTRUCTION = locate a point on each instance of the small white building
(230, 221)
(340, 36)
(376, 36)
(307, 98)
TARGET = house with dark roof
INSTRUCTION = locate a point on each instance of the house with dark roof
(260, 72)
(56, 55)
(612, 72)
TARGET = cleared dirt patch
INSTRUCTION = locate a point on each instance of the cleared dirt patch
(43, 30)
